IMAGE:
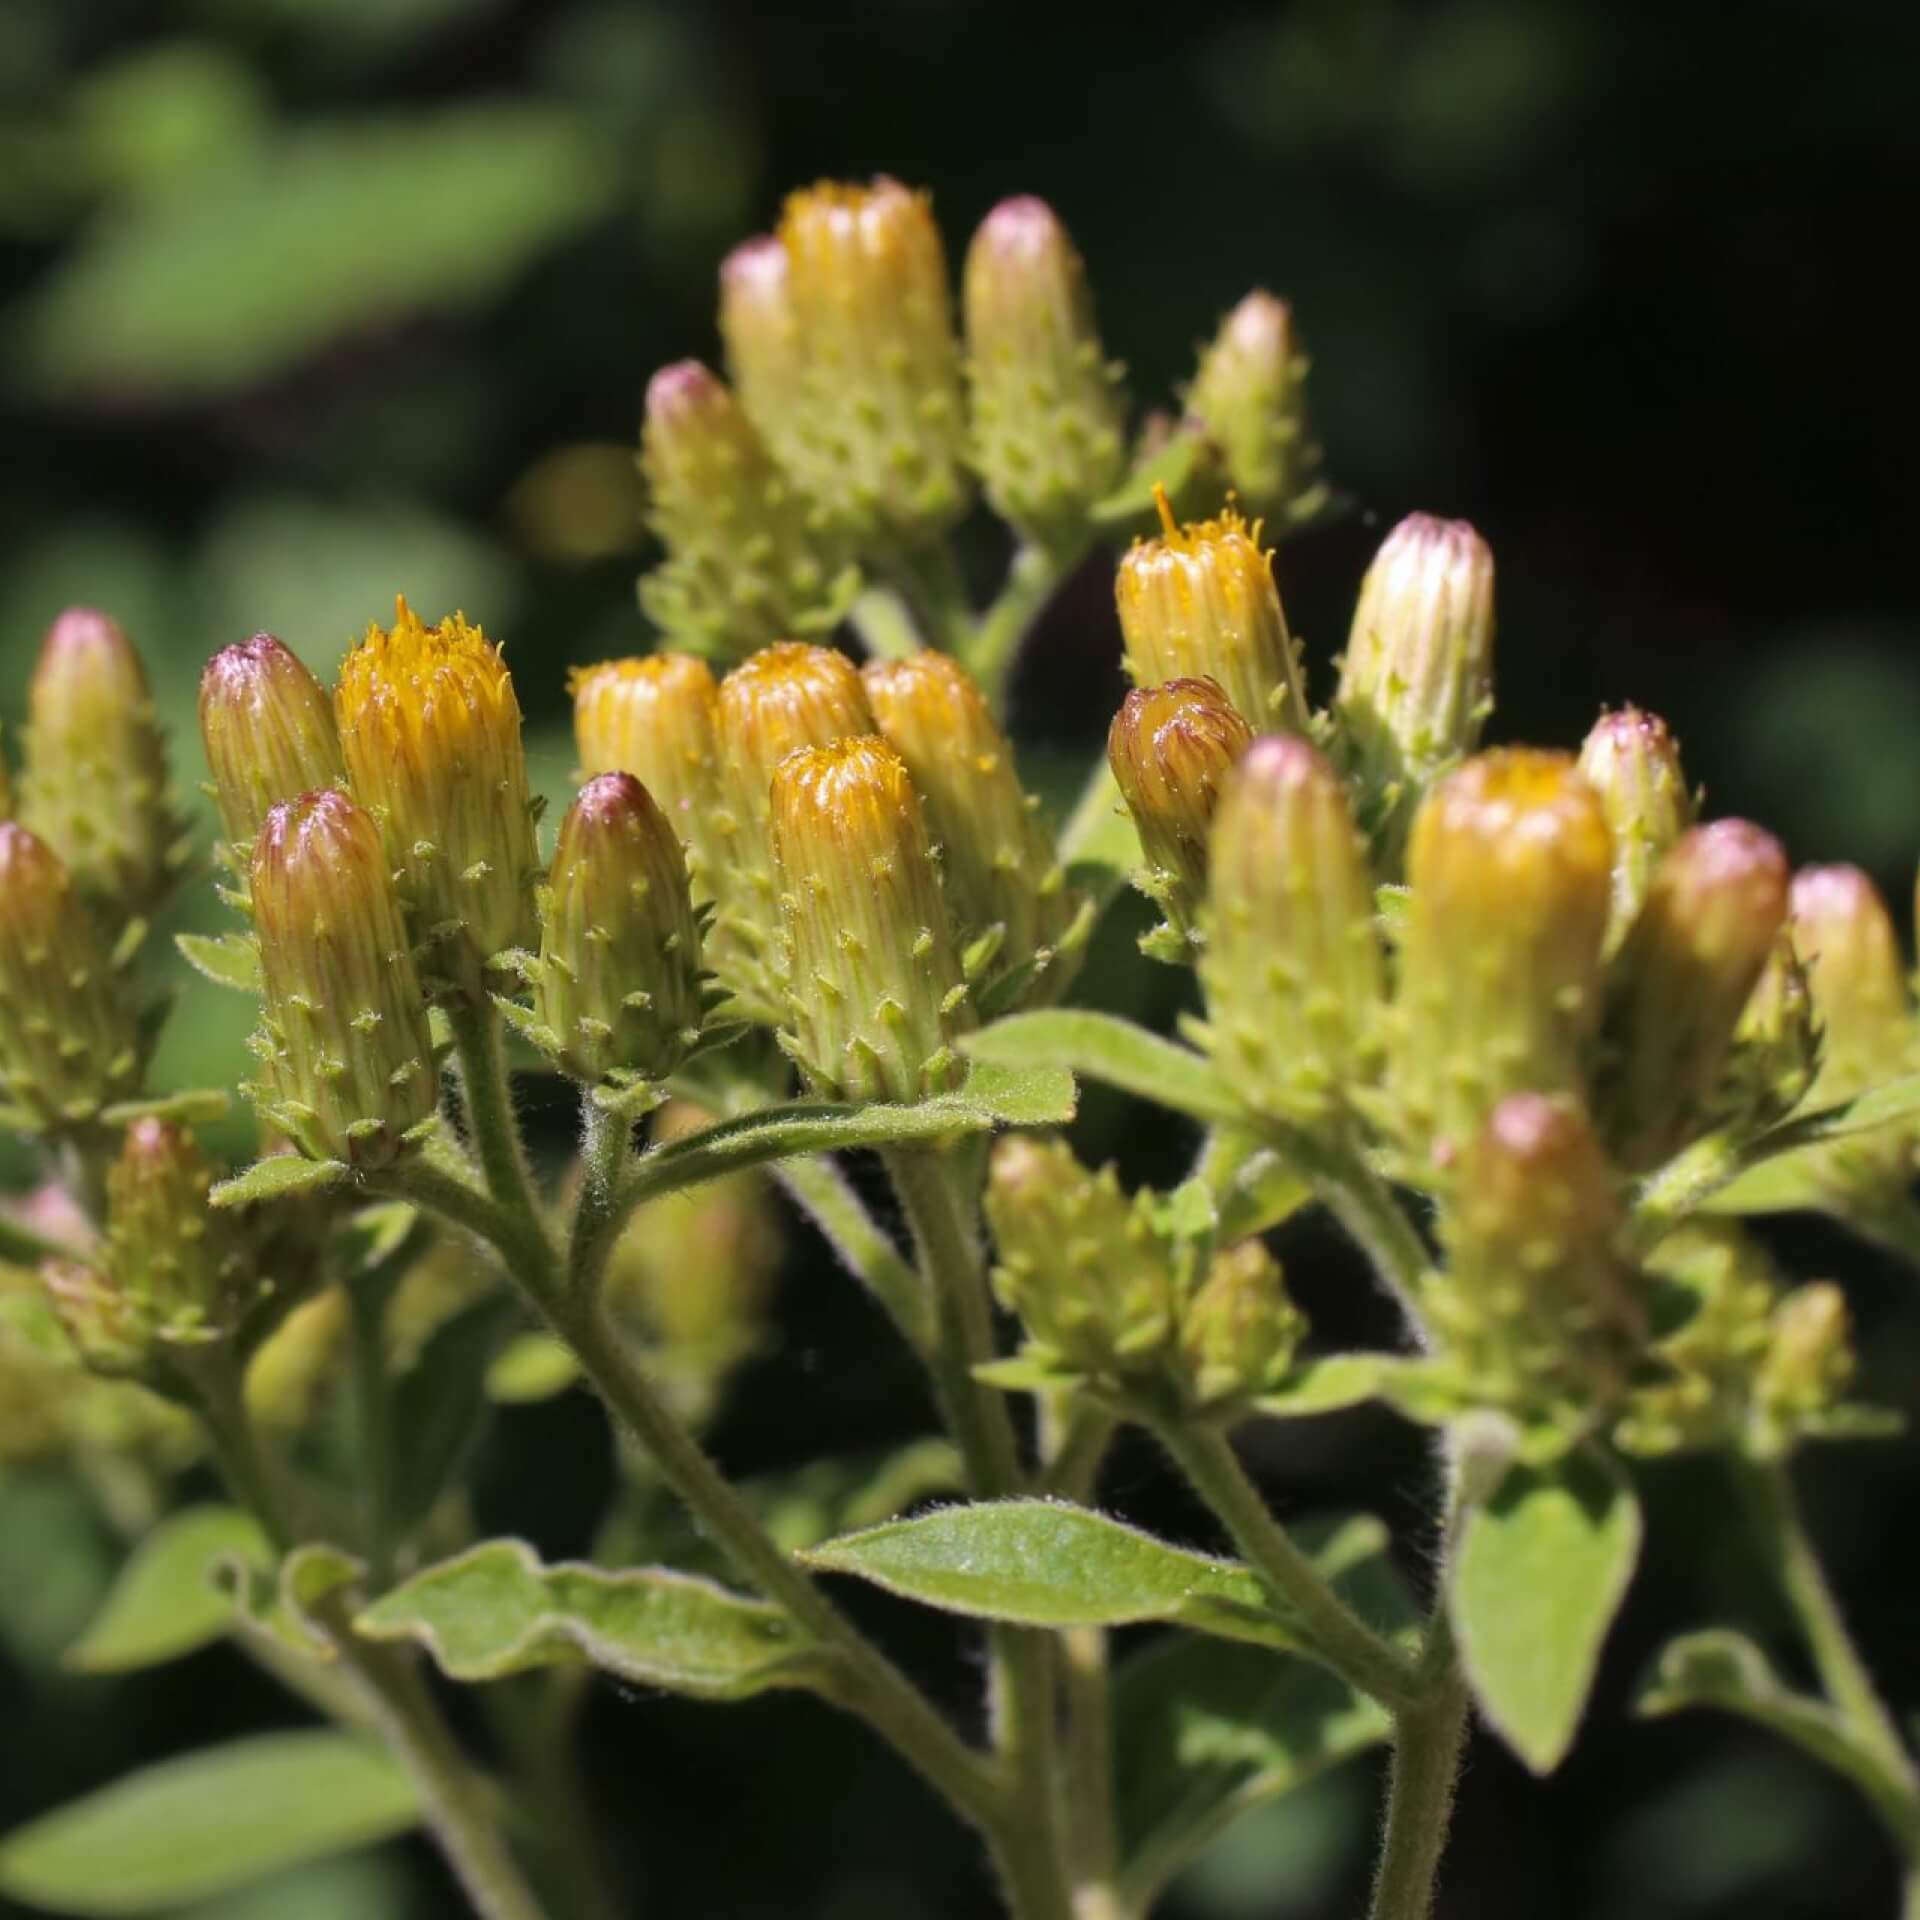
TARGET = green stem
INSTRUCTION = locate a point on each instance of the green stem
(939, 1200)
(606, 1148)
(479, 1042)
(1775, 1513)
(1427, 1744)
(885, 624)
(1683, 1186)
(368, 1297)
(817, 1186)
(1337, 1635)
(869, 1682)
(1033, 577)
(928, 577)
(455, 1800)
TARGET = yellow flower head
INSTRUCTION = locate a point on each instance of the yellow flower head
(1199, 602)
(430, 728)
(874, 986)
(655, 718)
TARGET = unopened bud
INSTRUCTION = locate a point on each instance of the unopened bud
(1250, 395)
(1845, 938)
(1510, 868)
(881, 422)
(617, 984)
(1239, 1331)
(1200, 603)
(1809, 1361)
(431, 730)
(1632, 762)
(1292, 965)
(1536, 1306)
(68, 1045)
(656, 719)
(269, 733)
(1416, 681)
(1085, 1267)
(1048, 426)
(93, 782)
(763, 342)
(1691, 962)
(874, 989)
(1004, 880)
(774, 703)
(346, 1063)
(1171, 748)
(745, 563)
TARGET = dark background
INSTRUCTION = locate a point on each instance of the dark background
(306, 301)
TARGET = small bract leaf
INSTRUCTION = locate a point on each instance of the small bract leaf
(1113, 1051)
(198, 1825)
(530, 1368)
(227, 959)
(1540, 1571)
(165, 1603)
(497, 1609)
(278, 1177)
(1330, 1383)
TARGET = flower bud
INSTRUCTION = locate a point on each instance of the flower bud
(93, 781)
(1632, 762)
(874, 990)
(774, 703)
(269, 733)
(1691, 962)
(745, 564)
(1510, 867)
(656, 718)
(881, 422)
(1171, 748)
(1048, 423)
(1250, 393)
(763, 343)
(1086, 1269)
(1239, 1332)
(1536, 1307)
(1844, 936)
(431, 730)
(1776, 1045)
(1002, 874)
(617, 984)
(1809, 1362)
(68, 1042)
(1199, 602)
(1416, 681)
(346, 1063)
(1292, 966)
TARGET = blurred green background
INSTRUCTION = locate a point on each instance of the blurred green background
(306, 302)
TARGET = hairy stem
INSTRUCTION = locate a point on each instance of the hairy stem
(606, 1148)
(368, 1298)
(1334, 1631)
(479, 1043)
(456, 1801)
(1427, 1744)
(1033, 577)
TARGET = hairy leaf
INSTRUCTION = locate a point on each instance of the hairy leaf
(278, 1177)
(497, 1609)
(1110, 1050)
(1539, 1574)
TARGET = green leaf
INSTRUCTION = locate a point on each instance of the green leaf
(529, 1368)
(1539, 1573)
(1110, 1050)
(1725, 1670)
(280, 1176)
(366, 220)
(279, 1606)
(438, 1405)
(995, 1094)
(1188, 467)
(1043, 1563)
(206, 1822)
(165, 1603)
(1204, 1730)
(1328, 1384)
(228, 959)
(1099, 843)
(496, 1610)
